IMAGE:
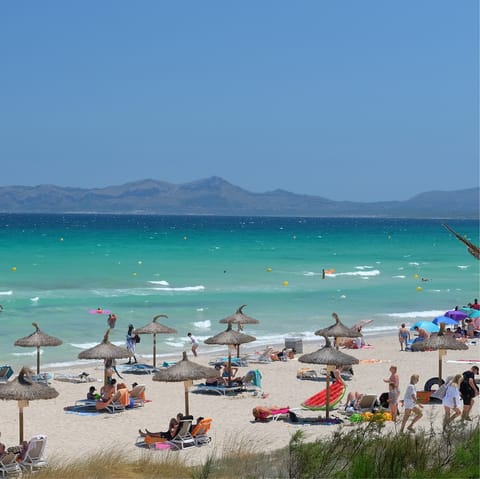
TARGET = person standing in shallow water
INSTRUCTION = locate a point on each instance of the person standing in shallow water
(194, 341)
(131, 343)
(403, 337)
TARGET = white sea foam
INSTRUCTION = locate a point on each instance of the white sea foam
(363, 267)
(399, 276)
(162, 283)
(29, 353)
(6, 293)
(374, 272)
(460, 266)
(207, 324)
(35, 299)
(184, 288)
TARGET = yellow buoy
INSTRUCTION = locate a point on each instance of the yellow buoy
(285, 283)
(419, 288)
(14, 268)
(134, 274)
(415, 276)
(184, 237)
(269, 270)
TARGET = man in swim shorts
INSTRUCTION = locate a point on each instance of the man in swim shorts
(468, 390)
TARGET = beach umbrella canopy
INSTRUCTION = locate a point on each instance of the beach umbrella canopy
(230, 338)
(331, 357)
(186, 371)
(456, 314)
(37, 340)
(428, 326)
(474, 314)
(105, 350)
(360, 324)
(444, 320)
(472, 249)
(440, 342)
(24, 389)
(239, 318)
(339, 330)
(155, 328)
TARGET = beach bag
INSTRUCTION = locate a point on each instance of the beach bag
(137, 338)
(441, 391)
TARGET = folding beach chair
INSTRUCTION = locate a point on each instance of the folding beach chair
(183, 438)
(199, 432)
(9, 465)
(5, 373)
(34, 458)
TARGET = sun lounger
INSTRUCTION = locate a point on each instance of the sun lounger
(307, 373)
(237, 362)
(5, 373)
(183, 438)
(74, 378)
(138, 369)
(9, 465)
(200, 432)
(137, 395)
(220, 390)
(34, 458)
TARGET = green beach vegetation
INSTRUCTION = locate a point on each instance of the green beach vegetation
(356, 452)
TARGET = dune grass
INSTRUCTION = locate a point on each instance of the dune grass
(357, 452)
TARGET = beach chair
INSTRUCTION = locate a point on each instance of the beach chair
(9, 465)
(220, 390)
(200, 432)
(5, 373)
(183, 438)
(252, 380)
(368, 403)
(307, 373)
(34, 457)
(115, 405)
(264, 357)
(137, 396)
(237, 362)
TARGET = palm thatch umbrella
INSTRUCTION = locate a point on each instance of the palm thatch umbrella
(339, 330)
(230, 338)
(155, 328)
(105, 350)
(331, 357)
(240, 319)
(36, 340)
(185, 371)
(24, 389)
(440, 342)
(472, 249)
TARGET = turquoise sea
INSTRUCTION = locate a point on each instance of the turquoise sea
(198, 270)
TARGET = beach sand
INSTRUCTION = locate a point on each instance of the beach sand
(73, 437)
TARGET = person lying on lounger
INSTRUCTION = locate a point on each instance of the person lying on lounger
(219, 380)
(170, 433)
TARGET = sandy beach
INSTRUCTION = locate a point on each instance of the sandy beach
(71, 436)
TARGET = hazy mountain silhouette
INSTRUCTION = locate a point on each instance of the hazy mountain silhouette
(215, 196)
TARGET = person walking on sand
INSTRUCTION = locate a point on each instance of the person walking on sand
(393, 391)
(194, 341)
(468, 390)
(403, 337)
(451, 401)
(131, 343)
(410, 404)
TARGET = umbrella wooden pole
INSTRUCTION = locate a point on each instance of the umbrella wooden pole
(441, 353)
(154, 350)
(186, 385)
(327, 397)
(21, 405)
(229, 368)
(38, 359)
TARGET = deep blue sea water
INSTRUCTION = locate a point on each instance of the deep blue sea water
(198, 270)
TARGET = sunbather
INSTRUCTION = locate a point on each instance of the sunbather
(169, 434)
(219, 380)
(263, 413)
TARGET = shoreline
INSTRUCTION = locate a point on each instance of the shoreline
(233, 423)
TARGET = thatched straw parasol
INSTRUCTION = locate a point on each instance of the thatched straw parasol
(185, 371)
(240, 319)
(472, 249)
(338, 330)
(155, 328)
(36, 340)
(105, 350)
(442, 342)
(230, 338)
(331, 357)
(23, 389)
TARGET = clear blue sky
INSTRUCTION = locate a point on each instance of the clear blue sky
(350, 100)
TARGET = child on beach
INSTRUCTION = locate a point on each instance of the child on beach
(393, 400)
(410, 404)
(92, 395)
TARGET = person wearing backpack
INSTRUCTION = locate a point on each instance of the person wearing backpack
(451, 401)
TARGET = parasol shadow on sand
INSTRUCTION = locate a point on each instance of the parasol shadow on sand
(230, 338)
(339, 330)
(441, 342)
(37, 340)
(186, 371)
(239, 318)
(155, 328)
(105, 350)
(23, 389)
(331, 357)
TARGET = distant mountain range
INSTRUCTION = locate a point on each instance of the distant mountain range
(215, 196)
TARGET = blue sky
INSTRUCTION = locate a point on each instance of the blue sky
(350, 100)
